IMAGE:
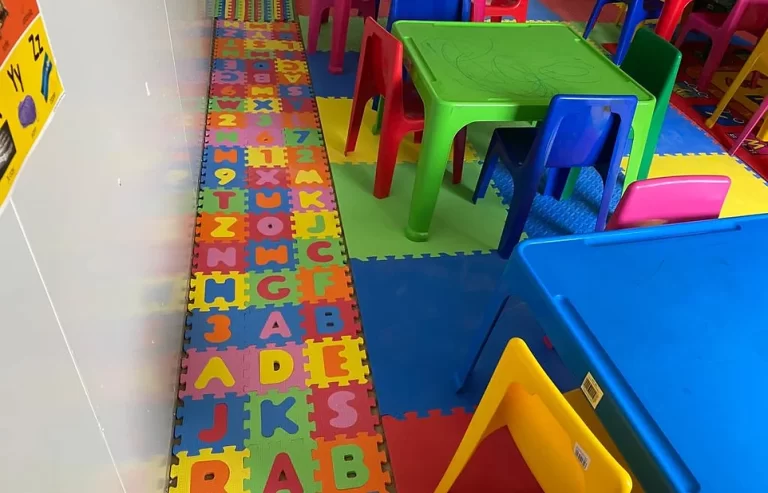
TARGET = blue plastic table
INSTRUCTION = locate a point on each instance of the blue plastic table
(672, 323)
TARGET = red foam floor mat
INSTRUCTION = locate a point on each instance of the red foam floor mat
(421, 448)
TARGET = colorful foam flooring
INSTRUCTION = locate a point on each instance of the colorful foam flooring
(320, 341)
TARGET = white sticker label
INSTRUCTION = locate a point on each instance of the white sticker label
(582, 456)
(592, 390)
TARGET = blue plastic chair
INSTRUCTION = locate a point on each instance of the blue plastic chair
(424, 10)
(637, 12)
(578, 131)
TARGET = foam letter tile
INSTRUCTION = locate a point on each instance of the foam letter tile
(320, 253)
(319, 284)
(278, 368)
(336, 361)
(309, 198)
(275, 417)
(309, 225)
(269, 201)
(210, 423)
(330, 320)
(343, 411)
(219, 257)
(273, 326)
(270, 226)
(261, 178)
(225, 200)
(210, 472)
(273, 288)
(222, 227)
(265, 256)
(351, 465)
(213, 372)
(217, 290)
(285, 466)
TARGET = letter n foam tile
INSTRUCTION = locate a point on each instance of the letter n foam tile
(210, 423)
(336, 361)
(343, 411)
(209, 471)
(351, 465)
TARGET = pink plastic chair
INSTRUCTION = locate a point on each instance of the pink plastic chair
(750, 125)
(675, 199)
(747, 15)
(342, 10)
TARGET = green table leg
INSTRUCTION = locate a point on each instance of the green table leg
(439, 132)
(640, 128)
(650, 144)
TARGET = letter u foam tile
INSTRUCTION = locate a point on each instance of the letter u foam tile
(275, 393)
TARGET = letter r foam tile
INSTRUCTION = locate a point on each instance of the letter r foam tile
(273, 329)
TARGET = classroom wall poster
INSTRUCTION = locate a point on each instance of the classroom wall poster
(30, 86)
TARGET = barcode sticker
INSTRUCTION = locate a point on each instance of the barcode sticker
(592, 390)
(581, 456)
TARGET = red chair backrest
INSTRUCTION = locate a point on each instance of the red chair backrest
(381, 62)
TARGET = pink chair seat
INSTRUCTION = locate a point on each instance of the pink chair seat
(674, 199)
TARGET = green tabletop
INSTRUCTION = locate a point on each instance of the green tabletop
(468, 72)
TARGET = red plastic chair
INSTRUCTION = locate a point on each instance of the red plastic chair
(319, 14)
(747, 15)
(380, 73)
(496, 9)
(674, 199)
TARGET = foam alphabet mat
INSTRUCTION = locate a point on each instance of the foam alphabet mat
(275, 390)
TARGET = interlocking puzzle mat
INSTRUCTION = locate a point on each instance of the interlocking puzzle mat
(275, 390)
(252, 10)
(699, 103)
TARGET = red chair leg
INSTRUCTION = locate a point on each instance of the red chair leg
(389, 144)
(355, 120)
(459, 144)
(418, 136)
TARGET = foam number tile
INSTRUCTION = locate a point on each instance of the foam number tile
(330, 320)
(214, 372)
(226, 120)
(275, 417)
(298, 156)
(216, 329)
(263, 256)
(351, 465)
(331, 283)
(343, 411)
(210, 472)
(219, 257)
(210, 423)
(268, 156)
(218, 290)
(336, 361)
(303, 137)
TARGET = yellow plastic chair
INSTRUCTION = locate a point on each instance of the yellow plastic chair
(561, 452)
(757, 61)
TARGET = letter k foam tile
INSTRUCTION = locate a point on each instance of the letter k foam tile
(275, 392)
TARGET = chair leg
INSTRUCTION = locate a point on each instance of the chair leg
(593, 18)
(735, 85)
(459, 145)
(418, 136)
(519, 209)
(491, 316)
(750, 125)
(635, 15)
(714, 58)
(389, 144)
(355, 121)
(486, 172)
(315, 21)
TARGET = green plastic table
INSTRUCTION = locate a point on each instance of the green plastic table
(470, 72)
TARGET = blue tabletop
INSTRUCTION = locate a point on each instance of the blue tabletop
(678, 317)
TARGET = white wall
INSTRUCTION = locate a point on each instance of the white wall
(95, 247)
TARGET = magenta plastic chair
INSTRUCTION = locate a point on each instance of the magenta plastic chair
(674, 199)
(747, 15)
(342, 10)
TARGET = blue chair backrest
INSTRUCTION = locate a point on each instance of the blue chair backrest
(582, 131)
(424, 10)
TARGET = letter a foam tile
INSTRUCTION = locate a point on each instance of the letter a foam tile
(274, 388)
